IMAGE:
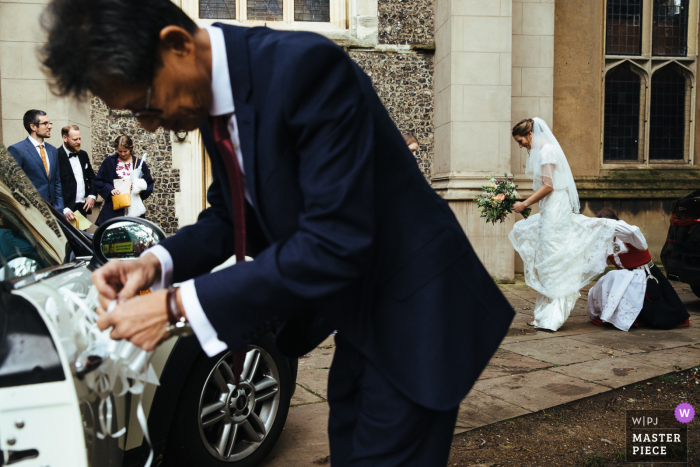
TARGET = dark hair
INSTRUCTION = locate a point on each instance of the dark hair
(410, 138)
(125, 142)
(607, 214)
(91, 40)
(31, 117)
(65, 131)
(523, 127)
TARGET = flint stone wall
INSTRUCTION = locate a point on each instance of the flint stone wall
(106, 126)
(406, 22)
(404, 83)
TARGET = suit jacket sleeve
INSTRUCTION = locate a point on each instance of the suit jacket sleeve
(331, 250)
(89, 175)
(103, 180)
(17, 154)
(57, 192)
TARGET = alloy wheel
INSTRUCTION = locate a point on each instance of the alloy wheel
(234, 419)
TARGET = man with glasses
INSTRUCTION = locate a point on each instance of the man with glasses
(39, 159)
(312, 178)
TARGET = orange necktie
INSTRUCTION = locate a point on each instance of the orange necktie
(43, 159)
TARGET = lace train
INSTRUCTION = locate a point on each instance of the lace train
(562, 252)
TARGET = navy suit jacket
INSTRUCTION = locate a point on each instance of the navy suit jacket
(358, 240)
(29, 159)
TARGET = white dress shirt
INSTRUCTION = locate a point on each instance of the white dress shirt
(625, 233)
(222, 104)
(38, 151)
(79, 179)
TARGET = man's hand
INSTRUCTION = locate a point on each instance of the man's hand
(69, 215)
(141, 320)
(89, 203)
(121, 280)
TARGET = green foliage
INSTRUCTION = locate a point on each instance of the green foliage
(668, 379)
(620, 456)
(594, 461)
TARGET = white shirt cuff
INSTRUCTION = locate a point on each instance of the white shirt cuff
(205, 332)
(66, 210)
(166, 267)
(92, 196)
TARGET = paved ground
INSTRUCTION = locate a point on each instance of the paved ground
(532, 370)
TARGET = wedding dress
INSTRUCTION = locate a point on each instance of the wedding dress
(562, 250)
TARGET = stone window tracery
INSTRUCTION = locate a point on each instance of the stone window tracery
(649, 78)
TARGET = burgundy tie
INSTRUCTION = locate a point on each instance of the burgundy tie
(222, 138)
(225, 147)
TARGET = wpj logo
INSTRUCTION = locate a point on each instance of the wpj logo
(656, 436)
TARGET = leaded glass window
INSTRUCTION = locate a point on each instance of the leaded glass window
(670, 31)
(265, 10)
(217, 9)
(668, 130)
(623, 34)
(312, 10)
(622, 111)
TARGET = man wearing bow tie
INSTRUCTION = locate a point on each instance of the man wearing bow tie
(79, 193)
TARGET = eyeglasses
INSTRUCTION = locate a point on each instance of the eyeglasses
(147, 112)
(44, 123)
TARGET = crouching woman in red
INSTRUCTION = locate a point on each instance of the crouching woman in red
(637, 293)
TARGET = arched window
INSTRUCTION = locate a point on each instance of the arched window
(668, 114)
(622, 113)
(623, 35)
(670, 33)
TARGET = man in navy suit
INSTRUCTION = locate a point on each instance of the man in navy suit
(313, 178)
(39, 159)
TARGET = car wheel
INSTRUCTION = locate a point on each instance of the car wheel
(696, 290)
(220, 423)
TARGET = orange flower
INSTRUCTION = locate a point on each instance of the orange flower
(500, 197)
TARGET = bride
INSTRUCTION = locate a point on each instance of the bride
(561, 249)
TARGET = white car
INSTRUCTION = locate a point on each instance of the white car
(48, 414)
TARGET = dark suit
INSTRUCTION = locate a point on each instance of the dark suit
(358, 240)
(29, 159)
(69, 184)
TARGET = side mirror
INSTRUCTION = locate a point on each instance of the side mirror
(123, 238)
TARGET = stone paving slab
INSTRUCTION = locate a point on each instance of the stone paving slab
(505, 363)
(668, 360)
(561, 350)
(302, 397)
(641, 340)
(479, 409)
(538, 390)
(612, 372)
(303, 440)
(315, 381)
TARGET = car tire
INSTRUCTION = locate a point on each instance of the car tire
(215, 428)
(696, 290)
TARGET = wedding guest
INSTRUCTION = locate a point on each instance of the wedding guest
(637, 293)
(115, 166)
(411, 141)
(312, 178)
(79, 192)
(559, 247)
(39, 159)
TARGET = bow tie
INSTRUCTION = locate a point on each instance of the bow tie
(71, 154)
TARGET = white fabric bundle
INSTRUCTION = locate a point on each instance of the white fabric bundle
(138, 185)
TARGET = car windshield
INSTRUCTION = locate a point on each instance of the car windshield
(30, 237)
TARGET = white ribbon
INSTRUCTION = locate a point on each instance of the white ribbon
(121, 362)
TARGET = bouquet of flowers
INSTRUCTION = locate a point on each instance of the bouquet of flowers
(498, 198)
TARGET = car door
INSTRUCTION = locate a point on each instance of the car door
(47, 415)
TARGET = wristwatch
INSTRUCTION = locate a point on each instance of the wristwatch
(177, 324)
